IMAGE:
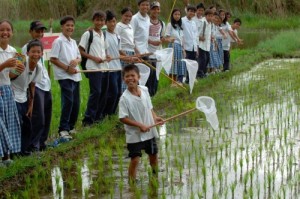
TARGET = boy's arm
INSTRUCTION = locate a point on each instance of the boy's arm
(67, 68)
(156, 118)
(30, 99)
(131, 122)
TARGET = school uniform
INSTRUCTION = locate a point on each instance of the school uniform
(178, 68)
(204, 47)
(10, 130)
(20, 86)
(95, 102)
(155, 34)
(66, 50)
(226, 46)
(42, 108)
(214, 57)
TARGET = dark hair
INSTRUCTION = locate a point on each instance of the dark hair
(238, 20)
(208, 12)
(212, 6)
(141, 1)
(173, 22)
(124, 10)
(109, 15)
(99, 14)
(65, 19)
(34, 42)
(130, 67)
(200, 5)
(7, 21)
(225, 19)
(191, 7)
(227, 13)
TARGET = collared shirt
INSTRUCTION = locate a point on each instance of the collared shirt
(204, 30)
(65, 50)
(190, 34)
(44, 83)
(140, 27)
(140, 110)
(226, 42)
(6, 54)
(125, 32)
(113, 49)
(97, 49)
(197, 21)
(21, 83)
(177, 33)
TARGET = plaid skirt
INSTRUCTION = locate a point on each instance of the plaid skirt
(214, 57)
(178, 67)
(10, 130)
(124, 86)
(220, 50)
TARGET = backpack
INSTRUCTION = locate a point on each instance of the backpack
(84, 59)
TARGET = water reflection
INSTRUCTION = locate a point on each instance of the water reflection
(86, 179)
(57, 183)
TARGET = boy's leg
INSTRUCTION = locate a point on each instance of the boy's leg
(113, 93)
(226, 60)
(132, 170)
(48, 115)
(154, 163)
(101, 103)
(76, 105)
(152, 150)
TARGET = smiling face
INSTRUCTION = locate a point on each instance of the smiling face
(111, 25)
(6, 32)
(98, 23)
(37, 34)
(144, 7)
(68, 28)
(131, 79)
(35, 53)
(126, 17)
(154, 12)
(190, 14)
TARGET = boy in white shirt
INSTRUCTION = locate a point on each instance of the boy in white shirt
(136, 112)
(20, 84)
(65, 56)
(204, 35)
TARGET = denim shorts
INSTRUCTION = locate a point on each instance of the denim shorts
(135, 149)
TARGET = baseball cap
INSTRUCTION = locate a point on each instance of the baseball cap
(154, 4)
(35, 25)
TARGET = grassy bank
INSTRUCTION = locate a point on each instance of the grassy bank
(285, 44)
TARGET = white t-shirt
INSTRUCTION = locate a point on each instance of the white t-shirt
(97, 49)
(204, 45)
(125, 32)
(138, 109)
(21, 83)
(140, 26)
(44, 83)
(190, 34)
(226, 42)
(113, 47)
(65, 50)
(176, 33)
(6, 54)
(155, 32)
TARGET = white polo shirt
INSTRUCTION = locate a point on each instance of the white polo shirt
(176, 33)
(125, 32)
(44, 83)
(114, 46)
(190, 34)
(97, 49)
(204, 45)
(21, 83)
(65, 50)
(140, 110)
(6, 54)
(140, 27)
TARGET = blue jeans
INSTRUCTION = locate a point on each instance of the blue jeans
(25, 122)
(70, 102)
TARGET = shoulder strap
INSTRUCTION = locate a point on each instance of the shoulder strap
(104, 34)
(90, 41)
(162, 27)
(204, 27)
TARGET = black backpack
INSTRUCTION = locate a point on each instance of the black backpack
(84, 59)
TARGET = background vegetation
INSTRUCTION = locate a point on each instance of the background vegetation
(45, 9)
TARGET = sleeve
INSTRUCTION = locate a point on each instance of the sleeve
(55, 48)
(38, 75)
(78, 52)
(123, 109)
(24, 49)
(84, 40)
(133, 24)
(168, 30)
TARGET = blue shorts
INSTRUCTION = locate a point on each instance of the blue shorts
(135, 149)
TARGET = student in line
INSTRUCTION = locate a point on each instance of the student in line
(96, 57)
(136, 113)
(66, 58)
(23, 82)
(42, 102)
(10, 130)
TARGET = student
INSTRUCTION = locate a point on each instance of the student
(190, 35)
(235, 26)
(199, 15)
(174, 35)
(204, 35)
(10, 131)
(23, 82)
(65, 56)
(154, 43)
(96, 57)
(136, 112)
(42, 102)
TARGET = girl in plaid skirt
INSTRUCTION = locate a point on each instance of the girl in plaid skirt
(174, 35)
(10, 132)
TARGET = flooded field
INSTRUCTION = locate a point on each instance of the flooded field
(254, 154)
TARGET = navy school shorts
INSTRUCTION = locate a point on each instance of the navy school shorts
(135, 149)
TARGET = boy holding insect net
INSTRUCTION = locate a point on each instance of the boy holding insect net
(136, 112)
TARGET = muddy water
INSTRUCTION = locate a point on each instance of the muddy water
(254, 154)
